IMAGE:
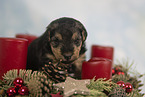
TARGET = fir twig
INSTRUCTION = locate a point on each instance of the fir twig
(102, 84)
(130, 75)
(35, 81)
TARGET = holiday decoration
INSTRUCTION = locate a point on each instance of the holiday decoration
(102, 85)
(121, 84)
(128, 87)
(18, 88)
(117, 70)
(11, 91)
(38, 84)
(120, 73)
(18, 82)
(129, 75)
(56, 73)
(126, 77)
(97, 88)
(23, 90)
(117, 92)
(72, 86)
(29, 37)
(13, 54)
(56, 95)
(98, 67)
(2, 91)
(113, 71)
(102, 51)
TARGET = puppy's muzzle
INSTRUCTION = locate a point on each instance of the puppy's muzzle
(67, 56)
(67, 52)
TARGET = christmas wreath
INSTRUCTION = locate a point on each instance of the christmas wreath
(38, 84)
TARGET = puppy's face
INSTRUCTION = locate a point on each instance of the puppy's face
(66, 44)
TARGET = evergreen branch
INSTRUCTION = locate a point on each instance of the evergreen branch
(101, 85)
(35, 81)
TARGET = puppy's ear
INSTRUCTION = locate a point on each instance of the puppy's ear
(50, 29)
(84, 35)
(82, 30)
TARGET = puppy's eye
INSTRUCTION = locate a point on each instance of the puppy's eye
(55, 42)
(77, 41)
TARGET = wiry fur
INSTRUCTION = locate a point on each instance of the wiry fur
(64, 39)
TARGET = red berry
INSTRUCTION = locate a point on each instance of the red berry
(18, 82)
(120, 73)
(113, 71)
(117, 68)
(128, 87)
(11, 92)
(121, 84)
(23, 91)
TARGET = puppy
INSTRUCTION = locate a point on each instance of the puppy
(63, 40)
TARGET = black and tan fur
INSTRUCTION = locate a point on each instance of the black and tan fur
(63, 40)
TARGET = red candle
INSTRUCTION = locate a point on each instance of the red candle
(13, 54)
(97, 67)
(27, 36)
(102, 51)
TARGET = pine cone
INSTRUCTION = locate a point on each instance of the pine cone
(56, 73)
(40, 86)
(117, 92)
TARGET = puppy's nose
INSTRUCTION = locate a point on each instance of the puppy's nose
(67, 56)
